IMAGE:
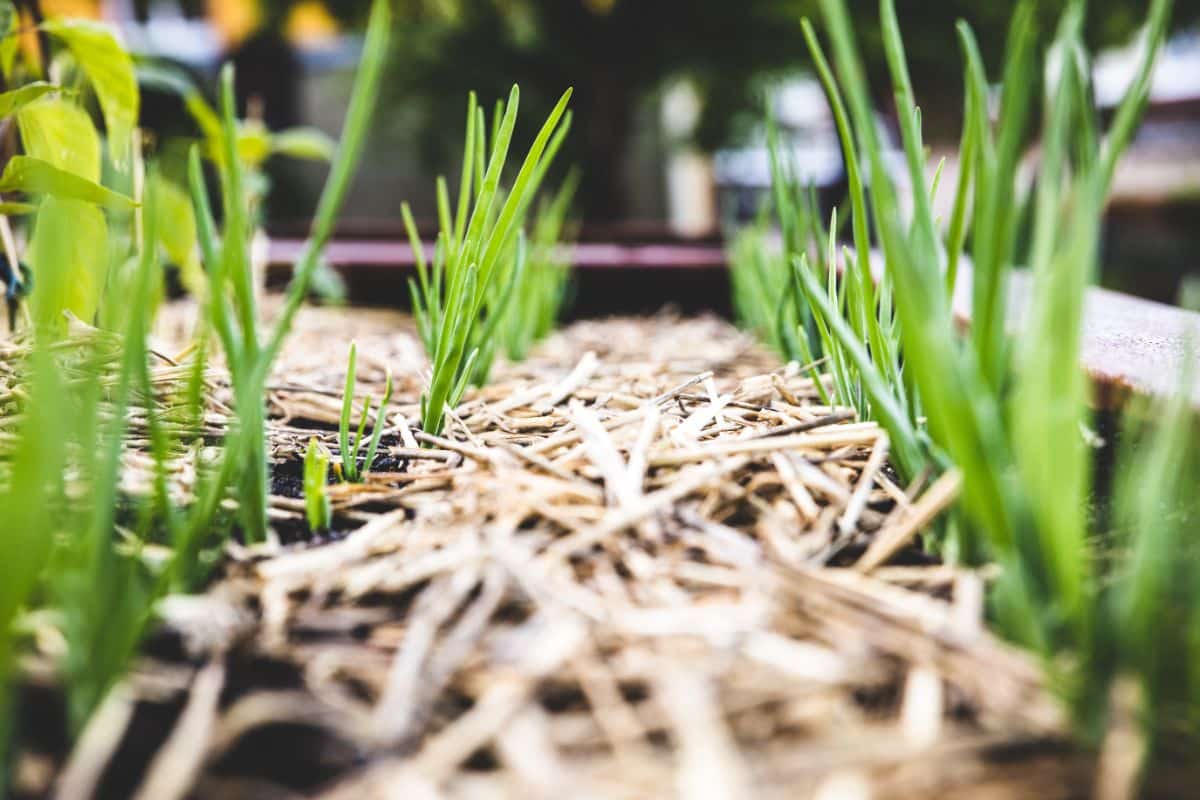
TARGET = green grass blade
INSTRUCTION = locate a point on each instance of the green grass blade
(380, 423)
(363, 101)
(1133, 104)
(349, 462)
(905, 445)
(468, 170)
(508, 220)
(996, 213)
(215, 303)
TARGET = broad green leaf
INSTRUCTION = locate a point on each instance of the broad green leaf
(61, 134)
(308, 143)
(14, 101)
(109, 68)
(33, 175)
(69, 256)
(177, 232)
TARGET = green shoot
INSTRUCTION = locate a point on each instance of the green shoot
(995, 195)
(766, 299)
(460, 299)
(103, 592)
(1009, 416)
(759, 277)
(541, 290)
(351, 447)
(26, 517)
(316, 493)
(230, 300)
(59, 541)
(908, 445)
(806, 304)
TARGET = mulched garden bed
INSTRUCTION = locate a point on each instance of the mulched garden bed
(645, 562)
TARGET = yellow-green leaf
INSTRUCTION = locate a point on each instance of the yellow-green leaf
(10, 41)
(254, 143)
(15, 209)
(11, 102)
(62, 134)
(109, 68)
(35, 176)
(69, 257)
(176, 227)
(303, 142)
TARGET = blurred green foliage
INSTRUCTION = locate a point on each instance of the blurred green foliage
(617, 53)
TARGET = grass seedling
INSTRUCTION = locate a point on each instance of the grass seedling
(541, 290)
(1009, 415)
(103, 590)
(58, 509)
(231, 307)
(72, 539)
(811, 303)
(459, 299)
(758, 276)
(26, 517)
(316, 494)
(351, 447)
(765, 297)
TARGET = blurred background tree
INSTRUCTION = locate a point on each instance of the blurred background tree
(617, 53)
(660, 86)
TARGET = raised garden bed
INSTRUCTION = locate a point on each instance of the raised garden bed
(634, 564)
(639, 556)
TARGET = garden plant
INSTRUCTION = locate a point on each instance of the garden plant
(1006, 413)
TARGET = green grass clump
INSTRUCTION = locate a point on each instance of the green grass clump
(231, 307)
(822, 308)
(544, 279)
(1009, 412)
(758, 277)
(951, 385)
(349, 446)
(58, 497)
(766, 299)
(461, 298)
(75, 542)
(59, 506)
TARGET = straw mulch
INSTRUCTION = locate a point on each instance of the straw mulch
(646, 562)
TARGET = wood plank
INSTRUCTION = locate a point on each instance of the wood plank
(369, 253)
(1130, 346)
